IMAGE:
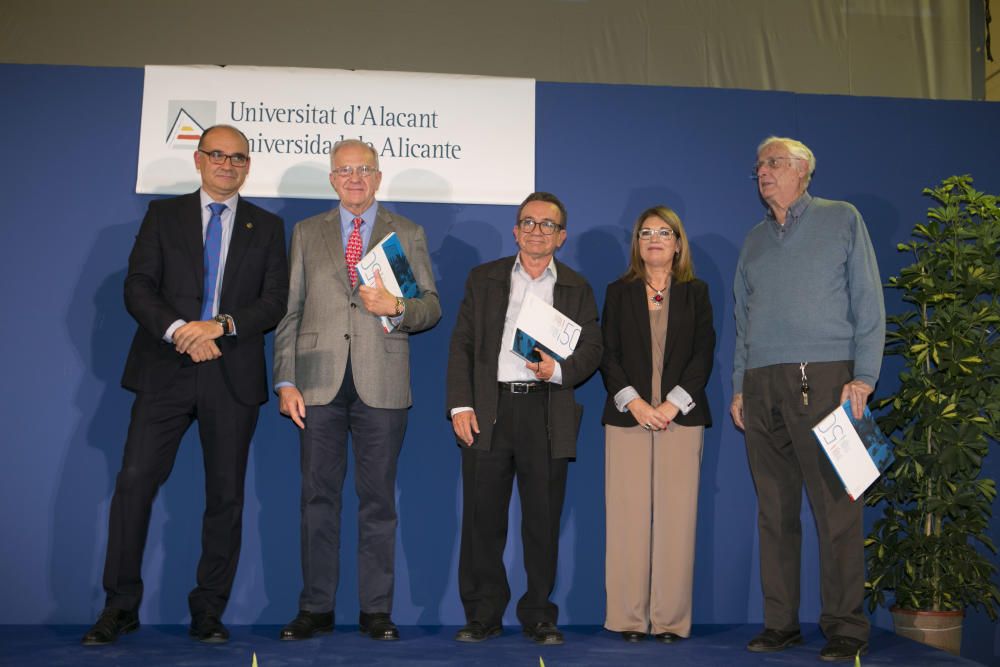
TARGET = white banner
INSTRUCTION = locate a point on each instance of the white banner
(440, 138)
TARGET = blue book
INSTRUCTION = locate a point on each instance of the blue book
(388, 258)
(857, 448)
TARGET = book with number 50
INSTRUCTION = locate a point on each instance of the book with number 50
(540, 326)
(857, 448)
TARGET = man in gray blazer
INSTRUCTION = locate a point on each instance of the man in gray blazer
(337, 371)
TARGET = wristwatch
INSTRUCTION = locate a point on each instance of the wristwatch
(224, 321)
(400, 306)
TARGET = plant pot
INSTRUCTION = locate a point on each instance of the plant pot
(940, 629)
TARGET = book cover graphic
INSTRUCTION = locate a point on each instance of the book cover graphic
(539, 325)
(525, 347)
(857, 448)
(388, 258)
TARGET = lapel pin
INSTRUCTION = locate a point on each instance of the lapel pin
(249, 225)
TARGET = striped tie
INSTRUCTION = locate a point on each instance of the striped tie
(353, 253)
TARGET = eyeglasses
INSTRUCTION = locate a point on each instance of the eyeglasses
(547, 227)
(363, 171)
(774, 163)
(664, 233)
(218, 157)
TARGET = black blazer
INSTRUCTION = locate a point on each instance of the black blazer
(165, 283)
(688, 353)
(475, 346)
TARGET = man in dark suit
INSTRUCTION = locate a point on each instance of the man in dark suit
(513, 417)
(332, 354)
(206, 278)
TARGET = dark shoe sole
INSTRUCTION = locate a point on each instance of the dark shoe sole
(469, 639)
(214, 638)
(843, 658)
(378, 626)
(292, 638)
(127, 630)
(548, 640)
(794, 641)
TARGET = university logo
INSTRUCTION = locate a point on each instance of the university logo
(186, 120)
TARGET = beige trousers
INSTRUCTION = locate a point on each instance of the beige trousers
(651, 507)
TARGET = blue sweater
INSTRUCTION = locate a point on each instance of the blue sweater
(809, 292)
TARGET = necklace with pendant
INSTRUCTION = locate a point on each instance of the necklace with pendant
(658, 297)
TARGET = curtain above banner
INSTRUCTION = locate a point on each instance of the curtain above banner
(440, 138)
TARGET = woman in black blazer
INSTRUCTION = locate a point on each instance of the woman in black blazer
(658, 348)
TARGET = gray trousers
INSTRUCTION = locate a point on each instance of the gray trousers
(783, 455)
(376, 437)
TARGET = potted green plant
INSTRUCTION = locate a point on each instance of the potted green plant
(929, 547)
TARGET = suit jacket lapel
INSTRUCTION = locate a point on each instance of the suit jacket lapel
(560, 294)
(638, 312)
(239, 241)
(497, 299)
(193, 236)
(381, 228)
(333, 239)
(678, 305)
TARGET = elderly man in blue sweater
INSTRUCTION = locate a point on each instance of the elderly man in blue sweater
(810, 328)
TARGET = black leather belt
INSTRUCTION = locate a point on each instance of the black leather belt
(521, 387)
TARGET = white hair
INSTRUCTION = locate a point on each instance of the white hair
(795, 147)
(347, 143)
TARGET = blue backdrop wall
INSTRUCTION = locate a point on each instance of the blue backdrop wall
(69, 213)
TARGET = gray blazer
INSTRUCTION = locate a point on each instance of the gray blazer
(326, 321)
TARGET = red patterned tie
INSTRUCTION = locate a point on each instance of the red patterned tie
(353, 253)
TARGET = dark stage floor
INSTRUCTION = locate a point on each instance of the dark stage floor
(586, 646)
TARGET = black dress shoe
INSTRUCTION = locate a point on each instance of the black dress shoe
(209, 629)
(544, 633)
(307, 624)
(843, 648)
(378, 626)
(633, 637)
(771, 641)
(477, 632)
(110, 624)
(667, 637)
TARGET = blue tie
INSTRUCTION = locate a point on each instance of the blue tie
(213, 249)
